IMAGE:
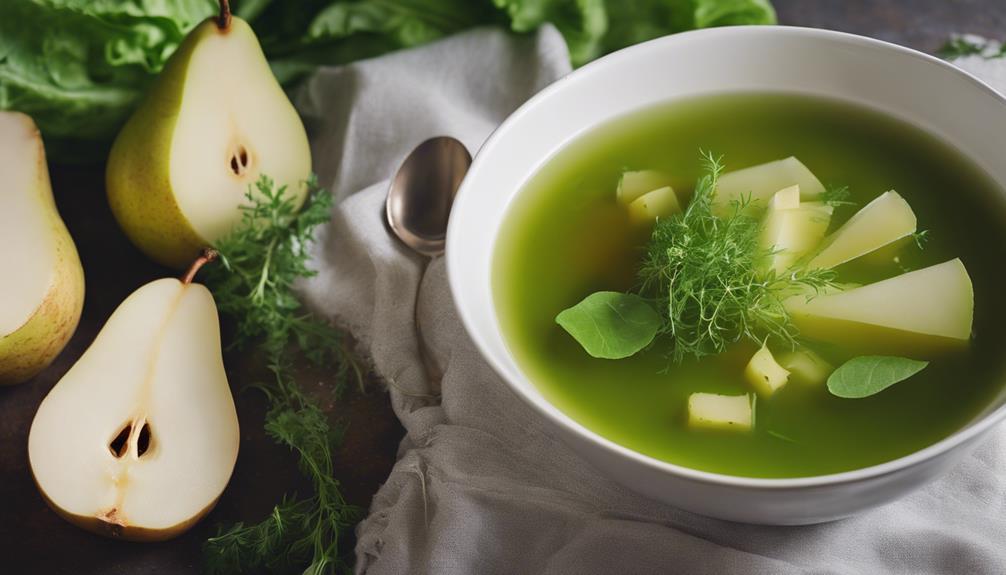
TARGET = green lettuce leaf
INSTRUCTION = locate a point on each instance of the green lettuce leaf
(78, 67)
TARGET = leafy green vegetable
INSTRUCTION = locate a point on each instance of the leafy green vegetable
(611, 325)
(704, 272)
(298, 37)
(870, 374)
(634, 21)
(583, 23)
(79, 67)
(261, 260)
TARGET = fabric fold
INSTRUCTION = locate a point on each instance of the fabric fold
(481, 485)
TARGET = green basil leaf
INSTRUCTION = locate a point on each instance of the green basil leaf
(611, 325)
(870, 374)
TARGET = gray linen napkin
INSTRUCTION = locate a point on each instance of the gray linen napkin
(481, 486)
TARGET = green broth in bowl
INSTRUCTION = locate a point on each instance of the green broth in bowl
(567, 236)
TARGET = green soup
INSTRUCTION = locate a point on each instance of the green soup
(564, 237)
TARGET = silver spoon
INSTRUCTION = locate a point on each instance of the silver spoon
(421, 195)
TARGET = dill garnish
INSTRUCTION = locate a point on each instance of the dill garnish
(261, 260)
(837, 196)
(702, 273)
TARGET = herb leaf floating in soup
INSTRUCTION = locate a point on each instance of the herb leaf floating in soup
(611, 325)
(869, 374)
(704, 274)
(750, 260)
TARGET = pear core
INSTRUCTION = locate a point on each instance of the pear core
(139, 438)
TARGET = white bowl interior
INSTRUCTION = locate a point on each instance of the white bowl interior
(903, 83)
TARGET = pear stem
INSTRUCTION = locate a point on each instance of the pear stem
(224, 18)
(208, 255)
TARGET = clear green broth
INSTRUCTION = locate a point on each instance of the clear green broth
(564, 238)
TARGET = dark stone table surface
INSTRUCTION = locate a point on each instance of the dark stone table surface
(33, 540)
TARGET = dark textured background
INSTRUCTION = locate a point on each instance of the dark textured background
(34, 540)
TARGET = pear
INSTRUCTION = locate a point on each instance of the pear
(42, 296)
(211, 124)
(138, 440)
(926, 311)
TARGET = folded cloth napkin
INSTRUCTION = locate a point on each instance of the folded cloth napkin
(481, 486)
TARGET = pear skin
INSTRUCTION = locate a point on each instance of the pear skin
(55, 273)
(212, 123)
(139, 438)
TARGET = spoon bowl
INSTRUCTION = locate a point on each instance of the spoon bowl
(422, 192)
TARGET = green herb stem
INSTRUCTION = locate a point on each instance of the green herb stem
(261, 260)
(704, 272)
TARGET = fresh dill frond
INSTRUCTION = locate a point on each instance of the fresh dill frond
(921, 238)
(703, 273)
(836, 196)
(261, 260)
(298, 532)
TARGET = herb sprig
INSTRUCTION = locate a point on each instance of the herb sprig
(837, 196)
(261, 261)
(964, 46)
(703, 273)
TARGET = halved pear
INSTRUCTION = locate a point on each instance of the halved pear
(882, 222)
(212, 123)
(138, 440)
(42, 296)
(920, 312)
(759, 183)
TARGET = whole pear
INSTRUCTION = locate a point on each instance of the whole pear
(43, 291)
(214, 120)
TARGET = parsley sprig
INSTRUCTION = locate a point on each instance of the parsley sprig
(260, 262)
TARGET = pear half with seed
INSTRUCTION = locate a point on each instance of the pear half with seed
(211, 124)
(43, 292)
(138, 440)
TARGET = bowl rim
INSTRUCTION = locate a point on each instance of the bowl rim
(456, 268)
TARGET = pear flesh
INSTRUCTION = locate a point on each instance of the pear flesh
(882, 222)
(140, 437)
(925, 311)
(634, 184)
(757, 184)
(41, 301)
(792, 229)
(713, 411)
(215, 120)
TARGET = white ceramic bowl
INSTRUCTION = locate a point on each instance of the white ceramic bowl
(904, 83)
